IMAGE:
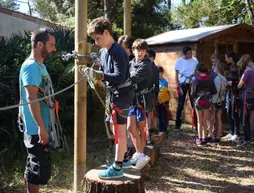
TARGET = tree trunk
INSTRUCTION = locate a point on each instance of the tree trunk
(130, 183)
(183, 2)
(250, 11)
(109, 6)
(169, 4)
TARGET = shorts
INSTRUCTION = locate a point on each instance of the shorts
(38, 165)
(199, 108)
(220, 105)
(138, 112)
(250, 102)
(121, 101)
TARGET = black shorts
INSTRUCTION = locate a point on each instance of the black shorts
(121, 100)
(38, 165)
(220, 105)
(250, 102)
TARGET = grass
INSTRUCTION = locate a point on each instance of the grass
(182, 167)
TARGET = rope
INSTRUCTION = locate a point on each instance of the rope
(41, 99)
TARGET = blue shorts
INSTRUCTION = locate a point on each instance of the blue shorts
(138, 112)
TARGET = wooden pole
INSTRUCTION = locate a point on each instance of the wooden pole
(80, 97)
(127, 17)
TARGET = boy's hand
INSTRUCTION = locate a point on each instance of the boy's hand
(93, 74)
(43, 136)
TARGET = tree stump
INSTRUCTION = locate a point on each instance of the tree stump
(157, 139)
(130, 183)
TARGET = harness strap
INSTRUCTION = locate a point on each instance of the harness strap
(116, 110)
(124, 85)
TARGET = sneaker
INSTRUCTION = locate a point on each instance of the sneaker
(227, 137)
(142, 161)
(198, 142)
(126, 164)
(134, 158)
(242, 144)
(234, 138)
(110, 173)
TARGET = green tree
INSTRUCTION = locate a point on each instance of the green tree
(9, 4)
(148, 17)
(198, 13)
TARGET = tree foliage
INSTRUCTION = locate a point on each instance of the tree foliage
(199, 13)
(148, 17)
(9, 4)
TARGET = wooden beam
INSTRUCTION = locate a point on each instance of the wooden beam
(127, 17)
(80, 95)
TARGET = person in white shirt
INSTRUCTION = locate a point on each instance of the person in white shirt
(184, 75)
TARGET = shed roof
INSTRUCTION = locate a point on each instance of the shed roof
(186, 35)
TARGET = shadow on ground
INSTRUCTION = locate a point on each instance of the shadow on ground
(183, 167)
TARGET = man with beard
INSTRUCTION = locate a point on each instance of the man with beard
(33, 80)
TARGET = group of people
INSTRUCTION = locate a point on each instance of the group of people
(138, 93)
(227, 86)
(132, 79)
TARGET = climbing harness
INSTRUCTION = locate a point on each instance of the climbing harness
(245, 104)
(57, 138)
(188, 87)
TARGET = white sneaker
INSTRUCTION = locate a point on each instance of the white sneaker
(234, 138)
(134, 158)
(227, 137)
(142, 161)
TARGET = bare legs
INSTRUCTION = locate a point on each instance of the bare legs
(202, 117)
(121, 147)
(136, 131)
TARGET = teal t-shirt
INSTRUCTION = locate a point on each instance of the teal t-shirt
(33, 73)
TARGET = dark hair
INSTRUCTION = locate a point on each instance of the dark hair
(140, 44)
(201, 67)
(186, 49)
(161, 69)
(151, 53)
(127, 40)
(233, 55)
(98, 25)
(40, 35)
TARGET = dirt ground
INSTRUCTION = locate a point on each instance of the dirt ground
(181, 168)
(185, 168)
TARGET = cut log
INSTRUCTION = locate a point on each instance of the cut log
(130, 183)
(157, 139)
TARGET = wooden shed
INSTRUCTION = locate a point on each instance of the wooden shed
(204, 42)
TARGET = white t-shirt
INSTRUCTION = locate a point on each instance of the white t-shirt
(186, 68)
(220, 84)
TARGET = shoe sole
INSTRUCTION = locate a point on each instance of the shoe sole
(126, 167)
(144, 164)
(110, 178)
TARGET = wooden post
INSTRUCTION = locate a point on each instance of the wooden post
(127, 17)
(80, 95)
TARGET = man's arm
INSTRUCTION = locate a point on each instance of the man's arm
(31, 93)
(177, 77)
